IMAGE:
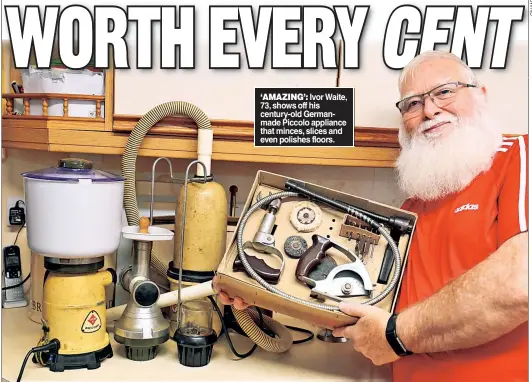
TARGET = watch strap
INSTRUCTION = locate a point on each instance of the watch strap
(394, 341)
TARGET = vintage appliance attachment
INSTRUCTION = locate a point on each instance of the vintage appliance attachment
(248, 320)
(206, 233)
(264, 242)
(365, 236)
(207, 226)
(142, 327)
(295, 246)
(346, 280)
(306, 216)
(195, 337)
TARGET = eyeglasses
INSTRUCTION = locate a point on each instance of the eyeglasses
(442, 96)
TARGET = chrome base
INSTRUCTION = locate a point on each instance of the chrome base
(326, 335)
(75, 265)
(141, 329)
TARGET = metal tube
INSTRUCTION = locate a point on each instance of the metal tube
(267, 223)
(175, 179)
(141, 258)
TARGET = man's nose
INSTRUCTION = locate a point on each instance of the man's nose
(430, 109)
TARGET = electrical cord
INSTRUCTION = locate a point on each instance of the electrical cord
(20, 229)
(261, 323)
(301, 330)
(52, 345)
(19, 284)
(224, 330)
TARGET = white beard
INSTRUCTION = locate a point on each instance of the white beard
(433, 167)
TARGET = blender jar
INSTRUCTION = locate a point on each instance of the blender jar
(195, 336)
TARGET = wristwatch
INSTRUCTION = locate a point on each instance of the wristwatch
(394, 341)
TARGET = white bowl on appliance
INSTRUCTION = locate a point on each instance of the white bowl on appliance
(73, 211)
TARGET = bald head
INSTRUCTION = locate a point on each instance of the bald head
(409, 72)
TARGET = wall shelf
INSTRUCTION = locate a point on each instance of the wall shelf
(175, 137)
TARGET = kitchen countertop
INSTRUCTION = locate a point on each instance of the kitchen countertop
(314, 360)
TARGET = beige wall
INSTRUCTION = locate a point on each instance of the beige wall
(228, 94)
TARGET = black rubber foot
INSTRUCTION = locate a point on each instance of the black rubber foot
(194, 357)
(194, 351)
(141, 353)
(90, 361)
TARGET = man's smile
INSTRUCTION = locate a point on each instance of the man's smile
(435, 128)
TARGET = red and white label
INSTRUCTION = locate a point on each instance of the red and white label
(92, 322)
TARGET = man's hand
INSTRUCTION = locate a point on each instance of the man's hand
(237, 302)
(368, 333)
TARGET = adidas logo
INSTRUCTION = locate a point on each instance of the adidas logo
(467, 207)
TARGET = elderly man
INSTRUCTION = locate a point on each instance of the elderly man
(462, 312)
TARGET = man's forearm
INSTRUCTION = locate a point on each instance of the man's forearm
(484, 303)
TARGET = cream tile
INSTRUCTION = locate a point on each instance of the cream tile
(385, 189)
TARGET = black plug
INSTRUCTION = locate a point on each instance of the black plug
(53, 345)
(17, 215)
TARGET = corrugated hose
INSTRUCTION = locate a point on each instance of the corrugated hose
(131, 151)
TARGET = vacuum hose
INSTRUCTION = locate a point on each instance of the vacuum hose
(247, 320)
(132, 149)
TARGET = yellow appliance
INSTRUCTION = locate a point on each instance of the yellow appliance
(205, 234)
(38, 271)
(74, 220)
(74, 312)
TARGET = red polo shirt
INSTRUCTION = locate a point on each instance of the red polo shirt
(452, 236)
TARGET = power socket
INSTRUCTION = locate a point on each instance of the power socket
(14, 214)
